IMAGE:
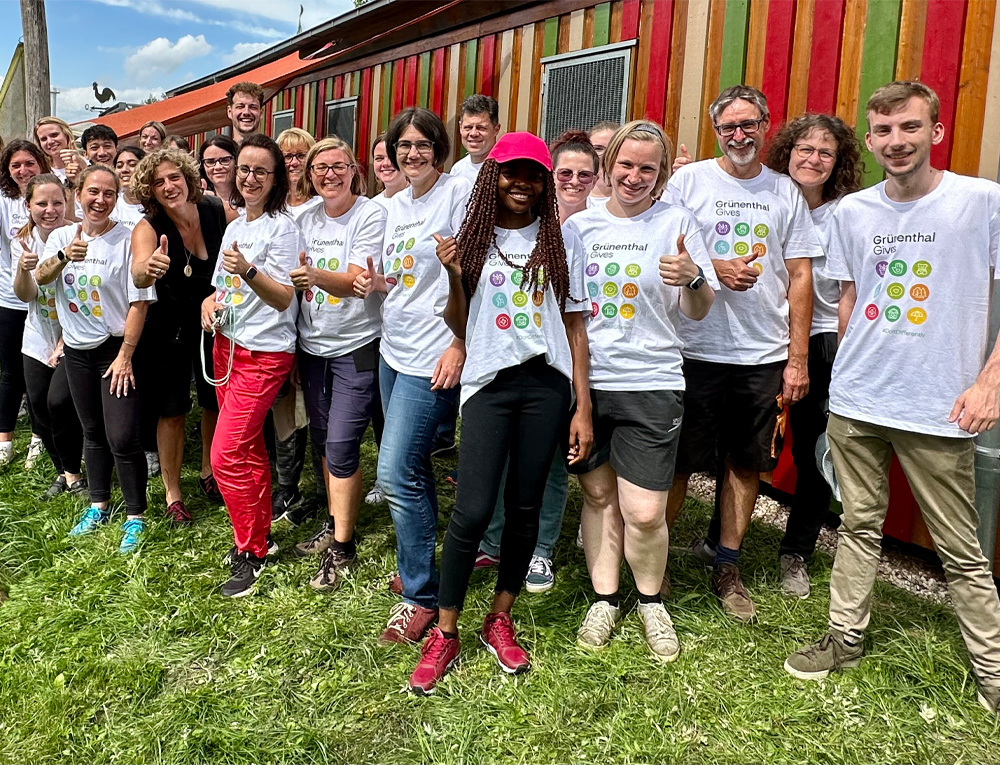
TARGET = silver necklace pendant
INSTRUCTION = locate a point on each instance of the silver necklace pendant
(187, 270)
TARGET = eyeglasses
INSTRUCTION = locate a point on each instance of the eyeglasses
(300, 156)
(258, 172)
(338, 167)
(221, 162)
(422, 147)
(566, 175)
(749, 127)
(805, 151)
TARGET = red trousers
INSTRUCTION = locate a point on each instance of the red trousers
(239, 457)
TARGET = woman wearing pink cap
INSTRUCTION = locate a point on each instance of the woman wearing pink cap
(516, 295)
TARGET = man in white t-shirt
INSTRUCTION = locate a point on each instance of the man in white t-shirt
(747, 359)
(479, 128)
(916, 257)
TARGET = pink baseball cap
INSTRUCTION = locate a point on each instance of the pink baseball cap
(513, 146)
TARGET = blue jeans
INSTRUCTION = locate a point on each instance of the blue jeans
(413, 413)
(551, 515)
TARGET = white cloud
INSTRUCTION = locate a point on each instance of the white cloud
(243, 51)
(316, 11)
(155, 8)
(70, 102)
(160, 56)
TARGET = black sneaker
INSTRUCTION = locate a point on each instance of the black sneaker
(58, 487)
(284, 499)
(210, 488)
(245, 569)
(306, 511)
(272, 550)
(78, 486)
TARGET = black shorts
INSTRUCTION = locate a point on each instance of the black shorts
(732, 412)
(172, 359)
(637, 432)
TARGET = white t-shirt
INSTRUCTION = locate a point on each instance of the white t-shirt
(41, 329)
(507, 324)
(466, 168)
(299, 210)
(332, 326)
(272, 244)
(414, 334)
(94, 295)
(917, 336)
(635, 343)
(593, 201)
(765, 215)
(13, 217)
(127, 214)
(826, 292)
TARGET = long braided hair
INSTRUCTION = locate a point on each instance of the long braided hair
(478, 234)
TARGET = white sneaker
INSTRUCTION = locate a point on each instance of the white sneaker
(376, 495)
(6, 452)
(579, 536)
(659, 631)
(34, 452)
(598, 624)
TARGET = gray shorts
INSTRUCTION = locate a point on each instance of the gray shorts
(637, 433)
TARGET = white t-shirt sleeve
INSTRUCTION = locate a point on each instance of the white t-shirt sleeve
(839, 265)
(283, 252)
(367, 241)
(802, 240)
(994, 198)
(576, 262)
(694, 243)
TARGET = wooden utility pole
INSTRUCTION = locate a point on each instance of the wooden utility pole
(36, 61)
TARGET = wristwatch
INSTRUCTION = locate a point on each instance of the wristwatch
(251, 273)
(697, 281)
(62, 256)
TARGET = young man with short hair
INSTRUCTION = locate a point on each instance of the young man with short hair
(245, 105)
(479, 128)
(916, 258)
(100, 143)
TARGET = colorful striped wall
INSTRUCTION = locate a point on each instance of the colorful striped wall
(816, 55)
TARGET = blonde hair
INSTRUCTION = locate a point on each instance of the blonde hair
(141, 182)
(64, 128)
(359, 186)
(43, 179)
(645, 131)
(295, 135)
(159, 129)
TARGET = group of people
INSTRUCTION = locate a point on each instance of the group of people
(595, 307)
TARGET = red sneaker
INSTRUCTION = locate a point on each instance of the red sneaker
(436, 657)
(408, 623)
(396, 585)
(485, 560)
(498, 636)
(178, 514)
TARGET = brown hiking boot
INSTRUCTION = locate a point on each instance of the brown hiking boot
(735, 601)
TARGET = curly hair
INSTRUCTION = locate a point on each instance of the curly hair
(143, 177)
(845, 177)
(477, 236)
(8, 186)
(359, 187)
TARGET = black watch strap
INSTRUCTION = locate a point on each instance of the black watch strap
(62, 256)
(699, 280)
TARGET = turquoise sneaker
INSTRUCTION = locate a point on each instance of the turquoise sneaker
(92, 518)
(133, 530)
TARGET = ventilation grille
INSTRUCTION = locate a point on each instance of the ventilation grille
(581, 93)
(341, 119)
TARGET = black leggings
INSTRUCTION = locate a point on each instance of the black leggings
(522, 414)
(110, 426)
(53, 416)
(11, 367)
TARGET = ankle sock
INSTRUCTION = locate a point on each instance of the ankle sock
(725, 555)
(650, 598)
(449, 635)
(347, 548)
(613, 600)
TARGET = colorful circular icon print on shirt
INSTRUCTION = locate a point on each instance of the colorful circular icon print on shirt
(742, 229)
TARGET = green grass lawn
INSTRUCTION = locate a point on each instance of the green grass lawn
(111, 659)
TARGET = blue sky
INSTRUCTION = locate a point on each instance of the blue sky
(142, 47)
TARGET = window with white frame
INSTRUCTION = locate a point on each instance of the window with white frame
(585, 87)
(342, 119)
(281, 121)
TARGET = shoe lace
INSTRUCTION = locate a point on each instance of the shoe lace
(328, 565)
(795, 565)
(434, 647)
(540, 566)
(658, 622)
(178, 512)
(93, 515)
(241, 565)
(730, 583)
(318, 536)
(132, 528)
(827, 643)
(600, 617)
(400, 615)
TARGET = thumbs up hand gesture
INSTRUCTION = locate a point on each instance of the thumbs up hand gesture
(364, 283)
(158, 262)
(678, 270)
(28, 259)
(234, 262)
(683, 158)
(303, 277)
(77, 249)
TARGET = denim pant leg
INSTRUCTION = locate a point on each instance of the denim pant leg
(551, 516)
(413, 413)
